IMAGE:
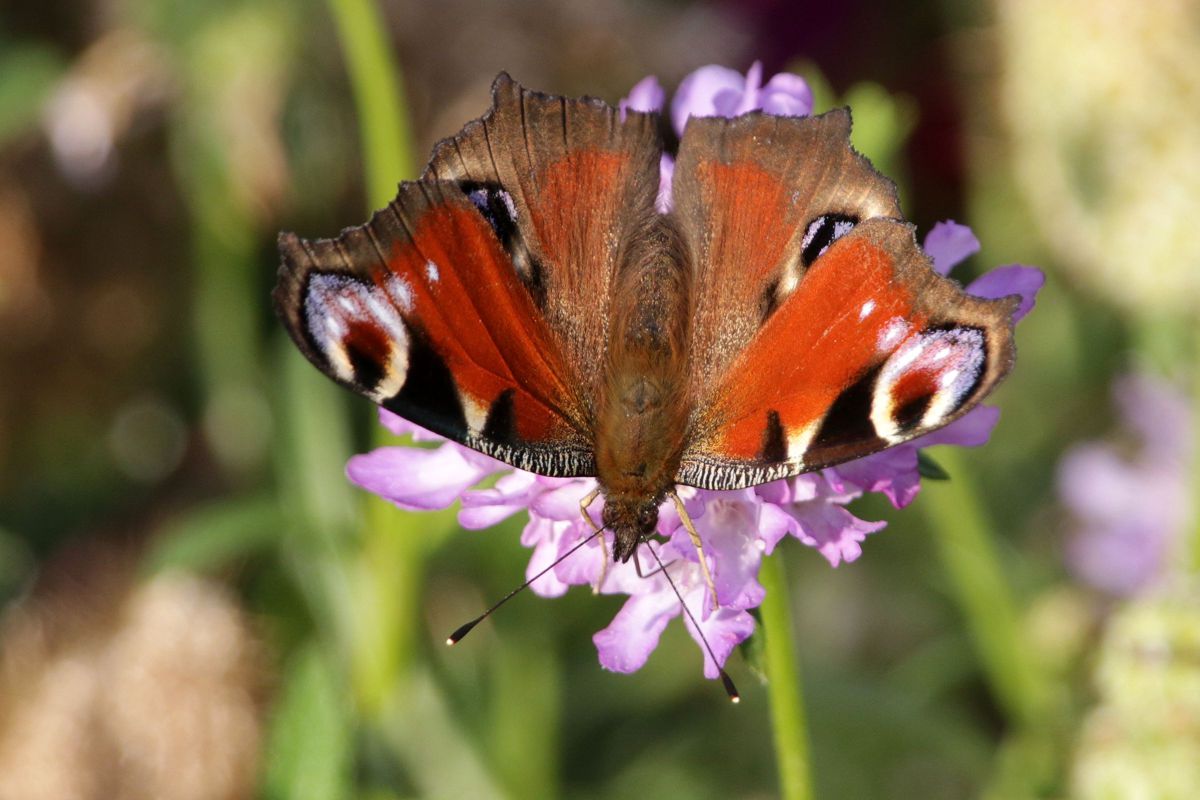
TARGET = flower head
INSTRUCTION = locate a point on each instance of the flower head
(737, 528)
(1130, 510)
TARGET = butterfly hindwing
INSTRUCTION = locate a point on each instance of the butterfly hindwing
(855, 343)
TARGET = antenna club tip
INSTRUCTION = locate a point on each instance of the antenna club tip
(451, 641)
(730, 689)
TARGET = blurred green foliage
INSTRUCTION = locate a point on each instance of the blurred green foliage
(924, 672)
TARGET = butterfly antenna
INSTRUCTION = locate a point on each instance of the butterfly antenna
(463, 630)
(726, 681)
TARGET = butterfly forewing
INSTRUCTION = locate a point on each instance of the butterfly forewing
(477, 303)
(579, 179)
(747, 191)
(421, 311)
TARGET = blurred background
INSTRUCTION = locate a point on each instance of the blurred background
(198, 605)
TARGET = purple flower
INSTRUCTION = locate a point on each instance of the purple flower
(737, 528)
(1131, 510)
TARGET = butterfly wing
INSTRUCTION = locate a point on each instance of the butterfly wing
(455, 305)
(572, 183)
(821, 332)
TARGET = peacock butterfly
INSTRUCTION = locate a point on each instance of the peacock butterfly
(525, 298)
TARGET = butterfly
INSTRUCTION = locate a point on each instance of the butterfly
(525, 298)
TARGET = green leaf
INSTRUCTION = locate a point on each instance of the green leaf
(214, 535)
(28, 73)
(308, 747)
(930, 469)
(753, 650)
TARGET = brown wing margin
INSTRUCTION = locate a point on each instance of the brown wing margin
(421, 310)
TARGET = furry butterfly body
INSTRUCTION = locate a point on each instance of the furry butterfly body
(525, 298)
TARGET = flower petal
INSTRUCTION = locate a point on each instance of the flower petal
(584, 566)
(949, 244)
(729, 532)
(1159, 413)
(1121, 560)
(970, 430)
(414, 478)
(832, 530)
(400, 426)
(483, 508)
(892, 472)
(724, 630)
(696, 95)
(1012, 279)
(562, 502)
(786, 95)
(633, 634)
(647, 95)
(545, 537)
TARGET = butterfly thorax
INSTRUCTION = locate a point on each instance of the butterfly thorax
(642, 421)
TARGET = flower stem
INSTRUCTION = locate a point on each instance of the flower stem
(1193, 544)
(378, 98)
(966, 542)
(783, 675)
(389, 570)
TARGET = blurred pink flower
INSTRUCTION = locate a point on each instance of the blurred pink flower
(737, 528)
(1131, 510)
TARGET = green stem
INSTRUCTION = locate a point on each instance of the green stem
(966, 544)
(378, 98)
(1194, 542)
(785, 690)
(389, 571)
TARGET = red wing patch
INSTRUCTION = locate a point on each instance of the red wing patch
(422, 311)
(871, 349)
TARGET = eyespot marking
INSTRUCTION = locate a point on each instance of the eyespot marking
(929, 378)
(358, 329)
(823, 232)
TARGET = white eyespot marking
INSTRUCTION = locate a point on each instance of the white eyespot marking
(359, 330)
(894, 331)
(508, 204)
(822, 232)
(431, 271)
(926, 381)
(400, 293)
(866, 309)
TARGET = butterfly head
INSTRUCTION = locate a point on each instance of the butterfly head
(632, 520)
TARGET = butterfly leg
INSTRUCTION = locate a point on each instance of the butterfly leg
(699, 545)
(583, 507)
